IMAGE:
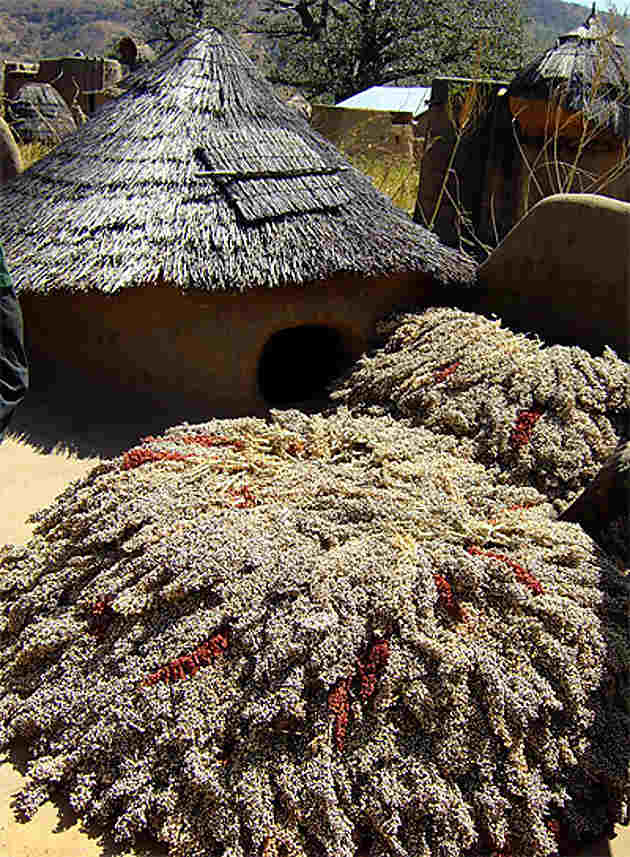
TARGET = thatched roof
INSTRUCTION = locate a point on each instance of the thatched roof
(39, 114)
(587, 70)
(198, 176)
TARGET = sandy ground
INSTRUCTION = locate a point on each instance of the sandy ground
(48, 450)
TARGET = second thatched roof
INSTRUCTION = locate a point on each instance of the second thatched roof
(199, 177)
(587, 71)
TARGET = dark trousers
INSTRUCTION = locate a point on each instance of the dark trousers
(13, 362)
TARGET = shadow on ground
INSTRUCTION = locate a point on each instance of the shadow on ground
(72, 413)
(88, 419)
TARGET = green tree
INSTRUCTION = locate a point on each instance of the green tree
(335, 48)
(166, 22)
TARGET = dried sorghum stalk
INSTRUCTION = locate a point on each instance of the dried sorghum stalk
(457, 738)
(504, 381)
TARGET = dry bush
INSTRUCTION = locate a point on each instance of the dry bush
(299, 636)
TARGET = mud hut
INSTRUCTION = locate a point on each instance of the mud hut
(39, 114)
(585, 75)
(198, 239)
(572, 107)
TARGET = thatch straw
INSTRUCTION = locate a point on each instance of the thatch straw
(39, 114)
(300, 636)
(548, 416)
(586, 72)
(200, 177)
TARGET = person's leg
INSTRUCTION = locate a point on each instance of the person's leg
(13, 362)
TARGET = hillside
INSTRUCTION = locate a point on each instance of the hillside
(34, 28)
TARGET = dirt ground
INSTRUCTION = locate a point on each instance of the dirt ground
(50, 448)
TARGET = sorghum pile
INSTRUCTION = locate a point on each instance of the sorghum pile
(312, 635)
(549, 416)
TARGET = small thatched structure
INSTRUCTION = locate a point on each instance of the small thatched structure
(38, 114)
(199, 181)
(549, 417)
(585, 76)
(10, 158)
(317, 638)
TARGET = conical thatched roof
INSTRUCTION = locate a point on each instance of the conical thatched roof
(39, 114)
(200, 177)
(587, 70)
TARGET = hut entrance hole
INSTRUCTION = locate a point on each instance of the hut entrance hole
(297, 364)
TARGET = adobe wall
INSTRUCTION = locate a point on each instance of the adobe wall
(88, 77)
(198, 346)
(364, 132)
(477, 178)
(564, 272)
(607, 164)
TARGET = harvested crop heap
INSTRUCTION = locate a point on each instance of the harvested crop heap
(313, 636)
(549, 416)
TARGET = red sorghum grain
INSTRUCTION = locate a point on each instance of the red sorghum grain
(101, 615)
(447, 599)
(141, 455)
(442, 374)
(521, 574)
(186, 665)
(370, 667)
(523, 427)
(339, 704)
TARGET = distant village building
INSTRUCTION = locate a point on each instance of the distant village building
(199, 241)
(381, 117)
(38, 113)
(562, 124)
(574, 101)
(80, 81)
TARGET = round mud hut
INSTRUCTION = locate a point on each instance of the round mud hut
(197, 239)
(39, 114)
(582, 79)
(571, 107)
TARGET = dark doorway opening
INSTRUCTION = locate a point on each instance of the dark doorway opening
(298, 364)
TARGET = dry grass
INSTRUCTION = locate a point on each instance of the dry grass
(33, 152)
(394, 175)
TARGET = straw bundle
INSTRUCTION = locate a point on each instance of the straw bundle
(310, 636)
(548, 416)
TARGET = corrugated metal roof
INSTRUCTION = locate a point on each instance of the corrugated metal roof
(393, 99)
